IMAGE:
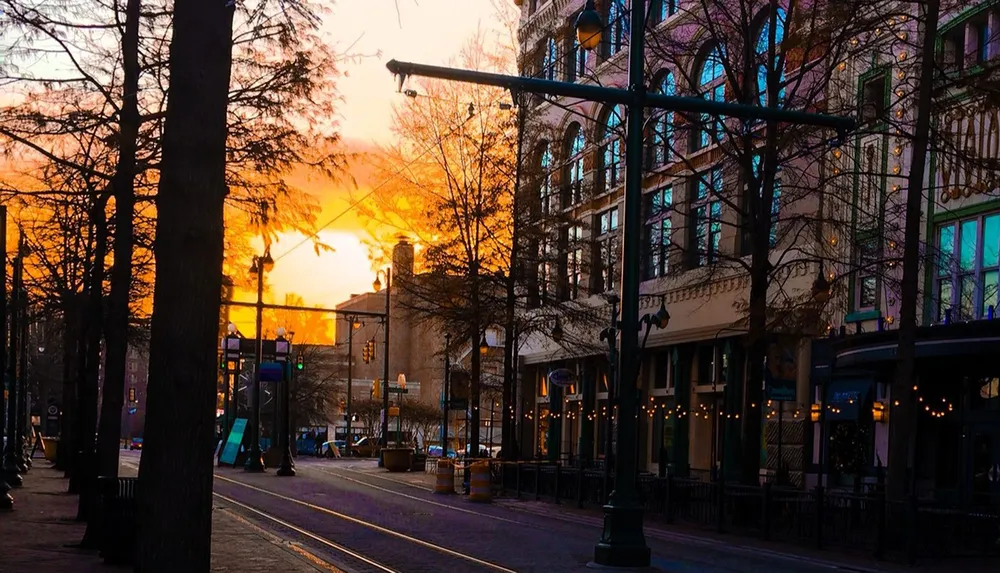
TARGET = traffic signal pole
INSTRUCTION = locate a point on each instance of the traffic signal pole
(350, 380)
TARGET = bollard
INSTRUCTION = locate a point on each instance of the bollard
(479, 483)
(445, 477)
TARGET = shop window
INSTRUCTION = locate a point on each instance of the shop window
(544, 422)
(968, 267)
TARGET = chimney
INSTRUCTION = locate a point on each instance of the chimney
(402, 259)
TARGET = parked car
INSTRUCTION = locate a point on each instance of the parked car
(365, 448)
(435, 451)
(136, 444)
(334, 449)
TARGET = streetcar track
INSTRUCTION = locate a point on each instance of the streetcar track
(308, 534)
(372, 526)
(420, 499)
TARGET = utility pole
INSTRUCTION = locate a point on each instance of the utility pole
(348, 440)
(445, 405)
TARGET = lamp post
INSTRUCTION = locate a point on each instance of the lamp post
(23, 464)
(352, 324)
(255, 461)
(622, 541)
(282, 349)
(6, 501)
(10, 458)
(377, 285)
(445, 406)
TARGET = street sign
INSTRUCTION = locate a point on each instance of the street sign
(562, 377)
(132, 411)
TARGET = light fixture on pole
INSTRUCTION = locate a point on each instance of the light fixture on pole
(484, 346)
(589, 27)
(822, 290)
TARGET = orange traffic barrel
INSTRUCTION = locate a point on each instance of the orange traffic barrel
(479, 483)
(445, 477)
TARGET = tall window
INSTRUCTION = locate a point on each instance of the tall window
(662, 9)
(968, 266)
(550, 59)
(775, 198)
(574, 166)
(763, 62)
(612, 149)
(663, 127)
(616, 27)
(658, 229)
(546, 278)
(607, 250)
(573, 270)
(712, 86)
(546, 197)
(867, 261)
(576, 56)
(707, 212)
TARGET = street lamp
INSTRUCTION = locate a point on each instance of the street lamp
(377, 285)
(282, 349)
(822, 290)
(230, 352)
(589, 27)
(262, 264)
(484, 346)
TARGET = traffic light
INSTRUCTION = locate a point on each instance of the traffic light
(299, 363)
(376, 389)
(364, 354)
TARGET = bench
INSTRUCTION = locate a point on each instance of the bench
(118, 515)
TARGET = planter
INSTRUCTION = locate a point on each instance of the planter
(397, 459)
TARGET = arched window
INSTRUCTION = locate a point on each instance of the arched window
(574, 165)
(612, 149)
(663, 127)
(614, 32)
(546, 197)
(762, 57)
(711, 86)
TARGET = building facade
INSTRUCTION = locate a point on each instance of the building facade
(836, 211)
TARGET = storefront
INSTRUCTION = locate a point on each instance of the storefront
(956, 438)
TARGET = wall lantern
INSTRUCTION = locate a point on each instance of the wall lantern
(814, 412)
(880, 413)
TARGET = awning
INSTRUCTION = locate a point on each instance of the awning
(847, 399)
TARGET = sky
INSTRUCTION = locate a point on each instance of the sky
(375, 31)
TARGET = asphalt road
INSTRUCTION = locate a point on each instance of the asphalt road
(360, 521)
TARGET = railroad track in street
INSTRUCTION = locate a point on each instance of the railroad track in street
(360, 545)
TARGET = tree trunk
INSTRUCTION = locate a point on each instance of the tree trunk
(72, 305)
(902, 429)
(116, 329)
(175, 474)
(89, 362)
(475, 366)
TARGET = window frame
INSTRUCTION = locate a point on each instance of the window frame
(658, 231)
(613, 39)
(708, 132)
(954, 274)
(612, 147)
(706, 213)
(606, 249)
(664, 126)
(573, 168)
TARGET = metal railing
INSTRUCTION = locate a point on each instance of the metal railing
(864, 522)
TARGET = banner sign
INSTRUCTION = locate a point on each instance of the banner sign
(233, 442)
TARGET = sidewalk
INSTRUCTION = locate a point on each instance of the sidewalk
(36, 536)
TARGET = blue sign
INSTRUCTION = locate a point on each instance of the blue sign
(132, 411)
(233, 442)
(272, 372)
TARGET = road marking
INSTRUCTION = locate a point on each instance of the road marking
(308, 534)
(372, 526)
